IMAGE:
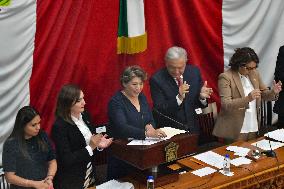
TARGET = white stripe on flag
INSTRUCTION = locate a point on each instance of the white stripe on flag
(17, 33)
(135, 18)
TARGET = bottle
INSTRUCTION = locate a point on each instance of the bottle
(226, 164)
(150, 182)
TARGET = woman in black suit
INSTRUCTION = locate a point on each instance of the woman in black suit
(75, 143)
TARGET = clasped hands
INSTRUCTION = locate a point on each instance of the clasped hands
(154, 133)
(205, 92)
(100, 141)
(256, 93)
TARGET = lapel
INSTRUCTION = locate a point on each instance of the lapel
(238, 83)
(172, 83)
(86, 119)
(76, 135)
(188, 75)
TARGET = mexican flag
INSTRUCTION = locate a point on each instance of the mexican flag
(132, 36)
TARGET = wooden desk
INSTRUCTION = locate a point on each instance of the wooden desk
(145, 157)
(264, 173)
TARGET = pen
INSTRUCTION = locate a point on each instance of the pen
(197, 162)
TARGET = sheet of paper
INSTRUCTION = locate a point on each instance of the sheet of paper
(170, 132)
(204, 171)
(276, 135)
(211, 158)
(145, 142)
(240, 161)
(239, 151)
(267, 145)
(115, 184)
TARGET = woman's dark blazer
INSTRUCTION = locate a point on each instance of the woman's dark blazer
(72, 156)
(125, 121)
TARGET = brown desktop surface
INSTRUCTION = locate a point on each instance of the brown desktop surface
(265, 172)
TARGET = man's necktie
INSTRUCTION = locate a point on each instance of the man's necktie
(179, 81)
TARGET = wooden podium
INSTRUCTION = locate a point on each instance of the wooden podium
(148, 157)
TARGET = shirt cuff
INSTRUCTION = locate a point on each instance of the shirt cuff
(100, 149)
(178, 100)
(89, 149)
(203, 101)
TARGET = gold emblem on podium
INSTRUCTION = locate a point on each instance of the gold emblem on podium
(171, 152)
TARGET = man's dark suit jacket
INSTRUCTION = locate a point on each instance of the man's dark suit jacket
(279, 75)
(72, 156)
(164, 91)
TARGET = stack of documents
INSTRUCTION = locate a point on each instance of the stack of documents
(276, 135)
(204, 171)
(211, 158)
(240, 161)
(267, 145)
(115, 184)
(239, 151)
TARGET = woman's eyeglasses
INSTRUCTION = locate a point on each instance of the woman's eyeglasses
(249, 68)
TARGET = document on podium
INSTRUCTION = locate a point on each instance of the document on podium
(170, 132)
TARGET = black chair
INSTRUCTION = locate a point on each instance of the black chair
(206, 122)
(266, 112)
(3, 183)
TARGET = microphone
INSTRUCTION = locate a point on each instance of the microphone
(173, 120)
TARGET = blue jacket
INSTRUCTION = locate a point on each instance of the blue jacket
(125, 121)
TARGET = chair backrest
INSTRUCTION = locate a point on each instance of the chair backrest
(206, 122)
(3, 183)
(265, 113)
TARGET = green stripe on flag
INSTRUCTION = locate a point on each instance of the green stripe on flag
(122, 25)
(5, 2)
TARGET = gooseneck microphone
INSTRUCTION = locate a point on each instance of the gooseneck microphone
(173, 120)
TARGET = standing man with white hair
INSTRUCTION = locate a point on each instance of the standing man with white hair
(178, 92)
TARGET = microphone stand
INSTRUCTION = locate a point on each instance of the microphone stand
(173, 120)
(269, 153)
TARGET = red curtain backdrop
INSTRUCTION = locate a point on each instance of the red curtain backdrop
(76, 43)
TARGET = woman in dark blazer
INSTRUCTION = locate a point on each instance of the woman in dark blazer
(130, 116)
(74, 141)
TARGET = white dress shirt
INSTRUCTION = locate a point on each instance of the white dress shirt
(250, 119)
(85, 132)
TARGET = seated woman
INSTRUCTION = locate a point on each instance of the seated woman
(130, 116)
(74, 140)
(241, 90)
(28, 158)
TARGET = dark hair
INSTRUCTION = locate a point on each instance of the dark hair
(24, 116)
(242, 56)
(67, 97)
(132, 71)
